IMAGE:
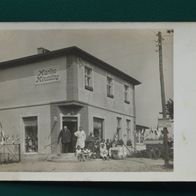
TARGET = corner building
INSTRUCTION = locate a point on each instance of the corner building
(43, 92)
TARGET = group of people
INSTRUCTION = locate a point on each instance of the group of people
(100, 148)
(92, 150)
(92, 147)
(66, 138)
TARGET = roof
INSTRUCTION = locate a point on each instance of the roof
(69, 50)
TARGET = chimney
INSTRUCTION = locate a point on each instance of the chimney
(42, 50)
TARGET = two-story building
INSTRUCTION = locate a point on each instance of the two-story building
(43, 92)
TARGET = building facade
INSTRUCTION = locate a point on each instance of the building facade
(43, 92)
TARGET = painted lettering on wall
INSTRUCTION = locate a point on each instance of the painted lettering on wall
(47, 75)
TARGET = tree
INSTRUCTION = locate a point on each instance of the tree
(170, 108)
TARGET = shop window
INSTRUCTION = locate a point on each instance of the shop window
(110, 87)
(119, 127)
(98, 127)
(88, 79)
(31, 134)
(126, 94)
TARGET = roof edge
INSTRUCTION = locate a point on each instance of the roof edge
(69, 50)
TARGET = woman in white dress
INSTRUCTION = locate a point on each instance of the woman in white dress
(81, 137)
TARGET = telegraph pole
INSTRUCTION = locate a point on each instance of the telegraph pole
(165, 136)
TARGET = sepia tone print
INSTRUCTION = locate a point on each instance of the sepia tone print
(86, 100)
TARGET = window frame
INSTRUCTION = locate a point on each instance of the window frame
(139, 137)
(128, 127)
(128, 123)
(127, 93)
(102, 120)
(110, 93)
(24, 133)
(119, 127)
(86, 75)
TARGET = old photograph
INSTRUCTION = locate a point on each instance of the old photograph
(86, 100)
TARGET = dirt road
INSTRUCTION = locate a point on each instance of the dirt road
(127, 165)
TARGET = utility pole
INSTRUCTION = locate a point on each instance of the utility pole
(165, 132)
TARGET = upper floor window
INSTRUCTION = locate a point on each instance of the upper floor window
(126, 94)
(110, 87)
(88, 78)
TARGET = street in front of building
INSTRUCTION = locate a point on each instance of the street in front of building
(98, 165)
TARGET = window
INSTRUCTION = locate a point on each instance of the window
(98, 127)
(128, 128)
(127, 94)
(119, 127)
(88, 79)
(140, 136)
(137, 138)
(110, 87)
(31, 137)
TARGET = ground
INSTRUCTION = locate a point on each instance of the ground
(127, 165)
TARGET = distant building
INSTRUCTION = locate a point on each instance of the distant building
(140, 137)
(43, 92)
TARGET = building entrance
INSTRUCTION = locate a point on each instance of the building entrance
(72, 125)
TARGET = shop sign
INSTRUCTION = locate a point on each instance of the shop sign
(47, 75)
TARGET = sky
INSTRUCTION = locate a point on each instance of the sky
(130, 50)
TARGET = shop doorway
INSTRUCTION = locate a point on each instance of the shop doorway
(72, 125)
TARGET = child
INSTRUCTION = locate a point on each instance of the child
(80, 154)
(93, 155)
(122, 152)
(87, 153)
(103, 151)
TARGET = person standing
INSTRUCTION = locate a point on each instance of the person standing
(81, 137)
(65, 137)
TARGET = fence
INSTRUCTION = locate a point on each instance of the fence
(10, 153)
